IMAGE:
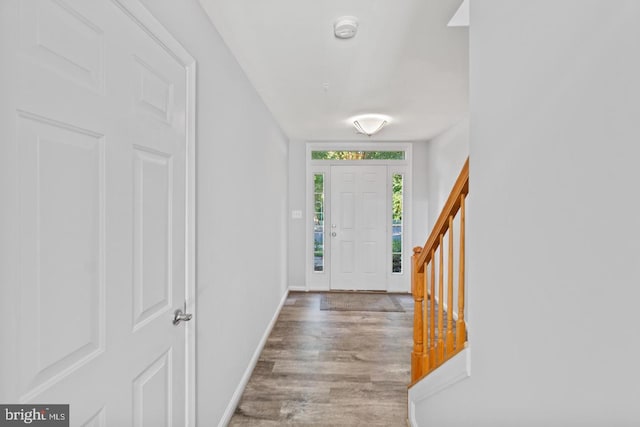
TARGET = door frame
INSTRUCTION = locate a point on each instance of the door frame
(148, 23)
(321, 281)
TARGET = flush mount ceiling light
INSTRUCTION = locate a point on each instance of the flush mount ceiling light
(345, 27)
(369, 124)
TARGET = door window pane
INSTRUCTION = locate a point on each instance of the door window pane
(318, 222)
(397, 225)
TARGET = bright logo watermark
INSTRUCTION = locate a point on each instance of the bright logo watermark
(35, 415)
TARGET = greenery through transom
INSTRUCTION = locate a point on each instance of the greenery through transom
(357, 155)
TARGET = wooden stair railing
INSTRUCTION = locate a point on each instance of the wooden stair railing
(436, 337)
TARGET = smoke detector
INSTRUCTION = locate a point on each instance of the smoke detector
(345, 27)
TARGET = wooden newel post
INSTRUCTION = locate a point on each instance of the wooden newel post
(417, 289)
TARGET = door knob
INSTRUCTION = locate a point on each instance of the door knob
(334, 234)
(180, 316)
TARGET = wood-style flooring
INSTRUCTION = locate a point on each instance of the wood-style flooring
(331, 368)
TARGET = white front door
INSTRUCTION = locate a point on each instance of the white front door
(358, 230)
(92, 134)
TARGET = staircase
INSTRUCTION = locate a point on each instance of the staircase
(439, 327)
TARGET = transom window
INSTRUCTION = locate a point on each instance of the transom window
(357, 155)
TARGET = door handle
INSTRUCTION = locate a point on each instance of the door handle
(334, 234)
(180, 316)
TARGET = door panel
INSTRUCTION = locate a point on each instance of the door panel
(93, 123)
(63, 290)
(152, 403)
(58, 36)
(358, 219)
(152, 284)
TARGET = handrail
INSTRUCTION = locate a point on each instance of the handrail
(435, 340)
(451, 207)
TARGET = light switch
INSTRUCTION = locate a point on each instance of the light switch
(296, 214)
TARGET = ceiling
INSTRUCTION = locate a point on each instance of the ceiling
(404, 62)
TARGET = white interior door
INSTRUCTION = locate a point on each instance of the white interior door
(358, 230)
(92, 130)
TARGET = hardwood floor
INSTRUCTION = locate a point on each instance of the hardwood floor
(331, 368)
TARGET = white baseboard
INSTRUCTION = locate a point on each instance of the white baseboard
(297, 289)
(453, 370)
(237, 395)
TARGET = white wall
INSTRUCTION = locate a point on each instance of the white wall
(446, 156)
(554, 236)
(420, 193)
(241, 210)
(297, 201)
